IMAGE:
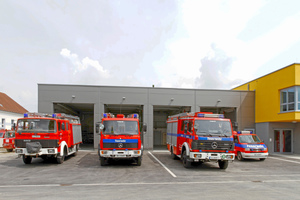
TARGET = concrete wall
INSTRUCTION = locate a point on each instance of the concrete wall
(243, 101)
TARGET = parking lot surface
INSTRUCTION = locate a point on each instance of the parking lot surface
(159, 177)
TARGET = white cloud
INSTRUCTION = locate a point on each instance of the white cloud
(84, 64)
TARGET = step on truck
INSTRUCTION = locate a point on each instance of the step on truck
(120, 138)
(47, 136)
(200, 137)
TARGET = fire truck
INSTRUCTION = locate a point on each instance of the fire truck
(9, 140)
(47, 136)
(120, 138)
(200, 137)
(249, 146)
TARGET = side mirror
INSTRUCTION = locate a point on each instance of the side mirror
(99, 127)
(195, 127)
(144, 128)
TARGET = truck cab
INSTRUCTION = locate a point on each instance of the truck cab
(249, 146)
(120, 138)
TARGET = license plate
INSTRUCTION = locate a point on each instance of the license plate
(121, 156)
(213, 157)
(36, 136)
(257, 154)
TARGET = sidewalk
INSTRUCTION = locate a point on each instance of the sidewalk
(293, 156)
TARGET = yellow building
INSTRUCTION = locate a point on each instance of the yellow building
(277, 108)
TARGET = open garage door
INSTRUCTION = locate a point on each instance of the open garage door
(126, 109)
(229, 113)
(86, 114)
(160, 116)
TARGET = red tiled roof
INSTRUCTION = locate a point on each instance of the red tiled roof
(9, 105)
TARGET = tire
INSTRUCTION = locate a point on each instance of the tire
(139, 161)
(223, 164)
(27, 160)
(102, 161)
(60, 159)
(239, 156)
(173, 156)
(76, 151)
(262, 159)
(185, 162)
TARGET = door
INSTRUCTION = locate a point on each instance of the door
(283, 141)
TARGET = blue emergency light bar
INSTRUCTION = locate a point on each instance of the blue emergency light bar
(210, 115)
(25, 114)
(104, 115)
(244, 132)
(53, 115)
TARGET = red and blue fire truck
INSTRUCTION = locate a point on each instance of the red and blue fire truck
(200, 137)
(249, 146)
(9, 140)
(120, 138)
(47, 136)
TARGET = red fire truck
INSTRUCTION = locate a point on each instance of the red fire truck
(249, 146)
(120, 138)
(200, 137)
(9, 140)
(47, 136)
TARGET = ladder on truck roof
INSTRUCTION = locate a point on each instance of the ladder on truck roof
(71, 118)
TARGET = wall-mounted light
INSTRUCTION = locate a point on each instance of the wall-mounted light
(73, 96)
(123, 98)
(172, 99)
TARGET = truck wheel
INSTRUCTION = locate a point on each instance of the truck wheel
(262, 159)
(186, 163)
(76, 150)
(139, 161)
(60, 159)
(102, 161)
(223, 164)
(27, 160)
(239, 156)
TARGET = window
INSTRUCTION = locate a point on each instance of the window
(288, 99)
(3, 123)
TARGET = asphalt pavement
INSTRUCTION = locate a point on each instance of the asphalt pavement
(159, 177)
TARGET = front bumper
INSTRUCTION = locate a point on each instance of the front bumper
(122, 154)
(42, 151)
(254, 155)
(200, 156)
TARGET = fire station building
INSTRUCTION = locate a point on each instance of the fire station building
(269, 106)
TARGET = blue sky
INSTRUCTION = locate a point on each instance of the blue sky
(184, 44)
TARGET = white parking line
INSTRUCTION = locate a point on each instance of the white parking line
(162, 165)
(151, 183)
(285, 160)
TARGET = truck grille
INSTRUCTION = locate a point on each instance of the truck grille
(119, 146)
(212, 145)
(45, 143)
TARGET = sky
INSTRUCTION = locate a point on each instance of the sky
(196, 44)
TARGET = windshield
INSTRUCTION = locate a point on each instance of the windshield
(120, 127)
(1, 134)
(213, 127)
(10, 134)
(249, 139)
(36, 126)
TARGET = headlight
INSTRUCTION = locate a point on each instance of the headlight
(247, 149)
(103, 152)
(197, 155)
(136, 152)
(51, 151)
(265, 149)
(19, 150)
